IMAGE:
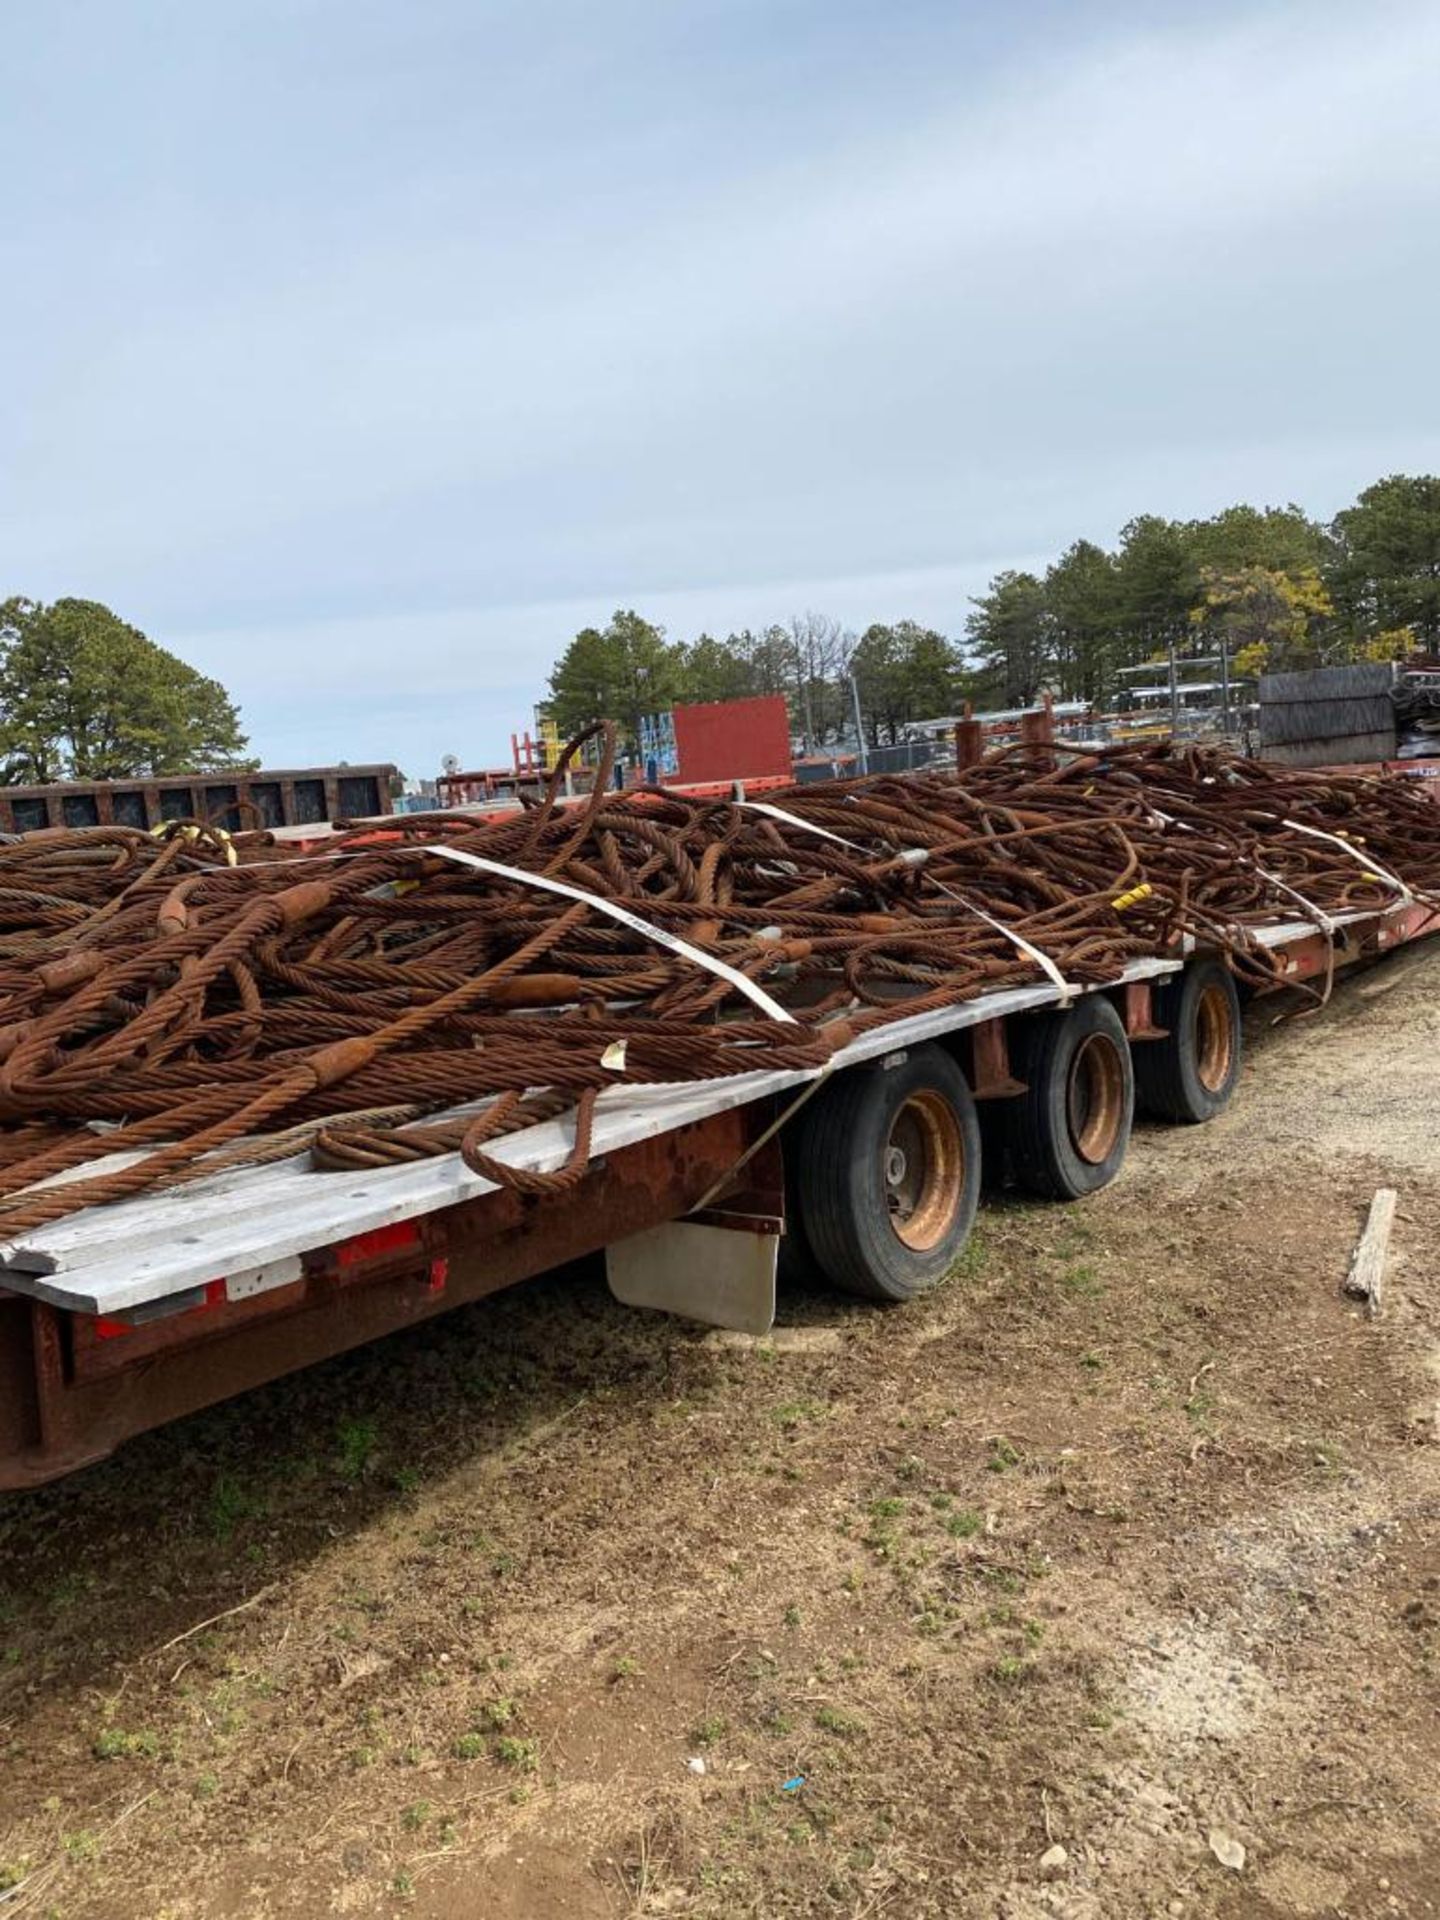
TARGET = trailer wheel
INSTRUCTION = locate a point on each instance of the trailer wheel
(888, 1175)
(1190, 1075)
(1067, 1133)
(795, 1263)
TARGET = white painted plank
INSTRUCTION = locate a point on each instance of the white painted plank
(164, 1214)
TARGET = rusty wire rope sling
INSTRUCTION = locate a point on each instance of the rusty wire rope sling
(257, 1008)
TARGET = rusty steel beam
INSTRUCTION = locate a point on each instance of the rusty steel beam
(1137, 1011)
(990, 1075)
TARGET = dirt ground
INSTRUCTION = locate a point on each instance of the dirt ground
(1126, 1543)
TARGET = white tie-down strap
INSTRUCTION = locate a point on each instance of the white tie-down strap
(917, 857)
(659, 935)
(1316, 912)
(795, 820)
(1067, 988)
(1368, 861)
(1312, 909)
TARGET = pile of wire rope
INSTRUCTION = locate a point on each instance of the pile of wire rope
(204, 1002)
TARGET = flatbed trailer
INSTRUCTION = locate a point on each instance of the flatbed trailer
(121, 1318)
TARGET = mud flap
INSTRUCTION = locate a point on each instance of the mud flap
(720, 1276)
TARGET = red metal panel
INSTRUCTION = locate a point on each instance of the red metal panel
(733, 739)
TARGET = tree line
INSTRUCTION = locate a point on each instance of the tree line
(629, 669)
(1272, 586)
(86, 696)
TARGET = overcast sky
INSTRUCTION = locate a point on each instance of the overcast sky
(361, 350)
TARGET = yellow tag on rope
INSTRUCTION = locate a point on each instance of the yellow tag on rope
(1133, 897)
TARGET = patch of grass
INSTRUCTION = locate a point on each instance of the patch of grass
(886, 1509)
(362, 1757)
(231, 1502)
(965, 1524)
(469, 1746)
(845, 1726)
(496, 1714)
(1008, 1669)
(112, 1744)
(791, 1616)
(207, 1785)
(1082, 1280)
(777, 1721)
(971, 1258)
(403, 1885)
(415, 1815)
(1074, 1236)
(69, 1588)
(794, 1413)
(356, 1441)
(80, 1845)
(12, 1872)
(1092, 1360)
(1003, 1456)
(522, 1755)
(624, 1669)
(707, 1731)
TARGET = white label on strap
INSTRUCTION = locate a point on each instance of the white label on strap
(627, 919)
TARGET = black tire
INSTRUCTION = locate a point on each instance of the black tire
(1066, 1135)
(1189, 1076)
(796, 1265)
(887, 1172)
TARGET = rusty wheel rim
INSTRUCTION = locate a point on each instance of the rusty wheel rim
(1095, 1098)
(924, 1170)
(1214, 1039)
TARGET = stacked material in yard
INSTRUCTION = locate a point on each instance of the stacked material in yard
(1328, 716)
(171, 1013)
(1417, 712)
